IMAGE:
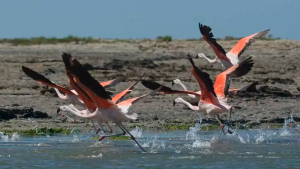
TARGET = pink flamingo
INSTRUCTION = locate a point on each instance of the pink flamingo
(107, 109)
(71, 95)
(230, 91)
(213, 97)
(232, 57)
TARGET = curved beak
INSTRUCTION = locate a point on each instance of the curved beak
(173, 83)
(174, 103)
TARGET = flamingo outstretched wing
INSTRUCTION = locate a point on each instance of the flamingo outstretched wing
(113, 82)
(124, 105)
(82, 94)
(243, 44)
(209, 38)
(222, 82)
(85, 81)
(117, 97)
(43, 80)
(164, 89)
(205, 83)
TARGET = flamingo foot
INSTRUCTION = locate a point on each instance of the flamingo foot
(101, 138)
(99, 129)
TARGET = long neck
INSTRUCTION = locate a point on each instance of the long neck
(210, 60)
(78, 113)
(184, 88)
(182, 85)
(64, 97)
(189, 105)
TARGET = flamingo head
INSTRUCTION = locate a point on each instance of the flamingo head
(177, 100)
(176, 81)
(62, 108)
(200, 55)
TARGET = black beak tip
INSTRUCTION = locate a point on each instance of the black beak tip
(58, 110)
(174, 103)
(173, 83)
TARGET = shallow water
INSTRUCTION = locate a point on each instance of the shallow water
(174, 149)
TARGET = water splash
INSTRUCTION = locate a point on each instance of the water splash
(201, 144)
(284, 131)
(155, 145)
(137, 132)
(192, 133)
(5, 138)
(15, 137)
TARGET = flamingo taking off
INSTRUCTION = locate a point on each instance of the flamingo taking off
(70, 95)
(107, 109)
(232, 57)
(213, 97)
(230, 92)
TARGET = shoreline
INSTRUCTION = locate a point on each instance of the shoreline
(275, 67)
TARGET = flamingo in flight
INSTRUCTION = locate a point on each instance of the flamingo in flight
(70, 95)
(107, 108)
(90, 107)
(230, 91)
(232, 57)
(213, 96)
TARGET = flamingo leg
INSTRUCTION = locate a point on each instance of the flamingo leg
(109, 128)
(132, 137)
(104, 136)
(94, 125)
(102, 128)
(221, 124)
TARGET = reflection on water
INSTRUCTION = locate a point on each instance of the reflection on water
(174, 149)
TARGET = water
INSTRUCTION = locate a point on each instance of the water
(173, 149)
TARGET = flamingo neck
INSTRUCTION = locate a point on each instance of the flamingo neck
(64, 97)
(182, 85)
(195, 108)
(210, 60)
(77, 112)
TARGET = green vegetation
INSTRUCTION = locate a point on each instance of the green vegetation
(85, 40)
(186, 127)
(40, 131)
(44, 40)
(166, 38)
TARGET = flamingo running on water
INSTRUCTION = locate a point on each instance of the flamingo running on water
(70, 95)
(213, 97)
(232, 57)
(107, 109)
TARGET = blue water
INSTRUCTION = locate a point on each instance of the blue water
(174, 149)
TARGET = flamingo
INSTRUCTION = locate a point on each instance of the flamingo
(107, 109)
(213, 97)
(230, 92)
(90, 107)
(232, 57)
(70, 95)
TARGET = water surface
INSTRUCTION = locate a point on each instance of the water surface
(174, 149)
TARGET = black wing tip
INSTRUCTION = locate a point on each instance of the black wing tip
(150, 84)
(205, 30)
(25, 69)
(189, 57)
(29, 71)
